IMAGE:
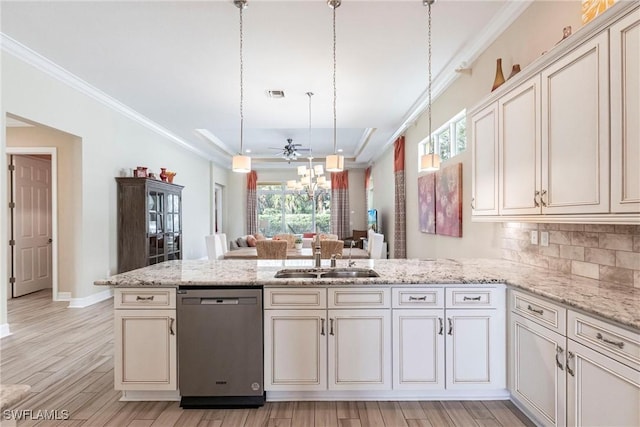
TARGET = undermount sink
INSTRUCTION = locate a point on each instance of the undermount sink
(325, 273)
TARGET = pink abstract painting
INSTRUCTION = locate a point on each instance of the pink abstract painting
(427, 203)
(449, 201)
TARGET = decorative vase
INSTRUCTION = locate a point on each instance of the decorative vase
(499, 76)
(163, 174)
(140, 172)
(515, 70)
(170, 176)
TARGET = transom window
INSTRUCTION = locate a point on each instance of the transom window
(286, 211)
(450, 139)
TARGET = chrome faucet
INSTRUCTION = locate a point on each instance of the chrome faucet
(317, 254)
(351, 263)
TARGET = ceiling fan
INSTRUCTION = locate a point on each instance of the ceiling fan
(291, 151)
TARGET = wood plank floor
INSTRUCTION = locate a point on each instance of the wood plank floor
(66, 356)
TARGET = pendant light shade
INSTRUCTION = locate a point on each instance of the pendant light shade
(430, 162)
(334, 163)
(241, 164)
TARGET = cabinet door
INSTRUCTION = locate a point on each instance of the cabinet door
(575, 131)
(536, 368)
(359, 349)
(519, 148)
(484, 178)
(475, 349)
(295, 353)
(600, 391)
(418, 349)
(145, 350)
(625, 110)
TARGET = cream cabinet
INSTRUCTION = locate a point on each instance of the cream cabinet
(575, 131)
(568, 368)
(484, 146)
(145, 355)
(336, 339)
(520, 152)
(625, 111)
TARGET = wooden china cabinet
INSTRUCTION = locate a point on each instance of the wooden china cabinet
(149, 222)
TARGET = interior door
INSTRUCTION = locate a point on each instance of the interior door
(31, 225)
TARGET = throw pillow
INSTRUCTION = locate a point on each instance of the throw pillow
(251, 241)
(259, 236)
(242, 242)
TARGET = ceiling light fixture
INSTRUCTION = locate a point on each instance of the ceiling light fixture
(334, 162)
(312, 179)
(241, 163)
(430, 161)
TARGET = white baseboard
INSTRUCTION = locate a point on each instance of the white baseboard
(148, 395)
(4, 330)
(91, 299)
(63, 296)
(387, 395)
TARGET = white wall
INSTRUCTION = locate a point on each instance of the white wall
(384, 196)
(537, 30)
(109, 143)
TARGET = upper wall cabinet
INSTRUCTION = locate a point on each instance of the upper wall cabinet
(625, 114)
(566, 133)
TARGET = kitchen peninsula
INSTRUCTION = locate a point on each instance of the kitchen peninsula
(429, 329)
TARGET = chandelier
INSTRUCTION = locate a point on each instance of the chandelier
(431, 160)
(312, 178)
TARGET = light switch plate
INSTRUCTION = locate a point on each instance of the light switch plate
(534, 237)
(544, 238)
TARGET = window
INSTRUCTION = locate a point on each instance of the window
(287, 211)
(450, 139)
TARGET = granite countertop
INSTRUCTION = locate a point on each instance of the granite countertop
(617, 303)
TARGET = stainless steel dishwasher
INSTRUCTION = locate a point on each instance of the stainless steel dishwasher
(220, 345)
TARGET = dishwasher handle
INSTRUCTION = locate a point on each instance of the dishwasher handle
(219, 301)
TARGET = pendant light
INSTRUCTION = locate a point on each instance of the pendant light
(430, 161)
(241, 163)
(334, 162)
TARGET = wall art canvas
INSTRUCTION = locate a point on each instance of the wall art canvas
(449, 201)
(593, 8)
(427, 203)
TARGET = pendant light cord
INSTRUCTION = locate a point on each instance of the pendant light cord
(241, 84)
(433, 147)
(334, 80)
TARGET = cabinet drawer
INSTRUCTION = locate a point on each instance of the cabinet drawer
(295, 298)
(540, 311)
(417, 297)
(474, 297)
(359, 298)
(613, 341)
(145, 298)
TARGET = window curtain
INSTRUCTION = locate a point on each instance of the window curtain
(400, 227)
(340, 204)
(252, 202)
(367, 182)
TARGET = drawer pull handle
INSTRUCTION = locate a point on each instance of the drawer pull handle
(149, 298)
(618, 344)
(412, 298)
(331, 327)
(535, 199)
(569, 357)
(559, 352)
(450, 326)
(441, 326)
(171, 331)
(471, 298)
(535, 310)
(322, 327)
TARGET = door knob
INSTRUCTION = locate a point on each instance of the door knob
(50, 240)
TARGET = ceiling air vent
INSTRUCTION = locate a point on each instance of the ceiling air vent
(275, 93)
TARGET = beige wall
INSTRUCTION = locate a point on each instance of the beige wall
(537, 30)
(109, 143)
(69, 157)
(383, 196)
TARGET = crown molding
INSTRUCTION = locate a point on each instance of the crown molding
(505, 17)
(41, 63)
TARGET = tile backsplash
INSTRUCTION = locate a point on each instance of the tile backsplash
(605, 252)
